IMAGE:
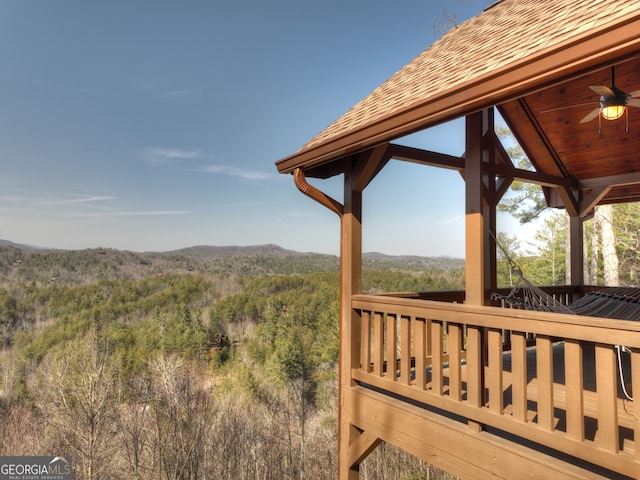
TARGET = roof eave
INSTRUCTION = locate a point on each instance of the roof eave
(599, 46)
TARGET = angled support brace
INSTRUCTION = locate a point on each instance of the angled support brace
(369, 165)
(568, 198)
(590, 201)
(361, 447)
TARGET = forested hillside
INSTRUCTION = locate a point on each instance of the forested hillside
(209, 362)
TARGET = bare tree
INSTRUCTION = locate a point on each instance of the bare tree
(80, 400)
(135, 427)
(183, 414)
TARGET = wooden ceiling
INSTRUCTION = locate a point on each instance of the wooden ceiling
(601, 155)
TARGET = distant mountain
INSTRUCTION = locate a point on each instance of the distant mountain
(26, 263)
(21, 246)
(409, 262)
(207, 251)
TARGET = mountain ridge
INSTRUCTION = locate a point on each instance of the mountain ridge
(221, 251)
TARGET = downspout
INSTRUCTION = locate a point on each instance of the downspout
(312, 192)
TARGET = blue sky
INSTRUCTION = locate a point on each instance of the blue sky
(155, 125)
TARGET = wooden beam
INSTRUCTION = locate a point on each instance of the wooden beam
(536, 177)
(449, 445)
(611, 181)
(425, 157)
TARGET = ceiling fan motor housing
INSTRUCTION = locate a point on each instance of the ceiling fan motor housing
(619, 98)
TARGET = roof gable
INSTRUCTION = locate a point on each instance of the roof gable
(430, 89)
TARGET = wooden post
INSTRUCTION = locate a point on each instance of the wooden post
(474, 211)
(475, 260)
(350, 284)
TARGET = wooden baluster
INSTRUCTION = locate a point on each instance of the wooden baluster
(436, 357)
(429, 353)
(378, 343)
(405, 350)
(454, 349)
(475, 381)
(607, 390)
(365, 342)
(494, 377)
(392, 341)
(544, 371)
(420, 352)
(519, 375)
(573, 361)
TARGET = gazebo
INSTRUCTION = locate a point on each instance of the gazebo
(479, 390)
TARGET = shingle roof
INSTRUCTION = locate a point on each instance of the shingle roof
(509, 33)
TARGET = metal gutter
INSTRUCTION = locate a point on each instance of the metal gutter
(312, 192)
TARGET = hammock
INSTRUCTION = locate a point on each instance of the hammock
(526, 295)
(621, 303)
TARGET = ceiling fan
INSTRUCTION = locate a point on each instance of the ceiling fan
(613, 101)
(612, 105)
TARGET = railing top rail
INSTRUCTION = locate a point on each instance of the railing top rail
(576, 327)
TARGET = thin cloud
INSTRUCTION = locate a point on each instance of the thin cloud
(166, 157)
(195, 161)
(132, 213)
(450, 220)
(77, 201)
(37, 199)
(184, 92)
(242, 173)
(242, 204)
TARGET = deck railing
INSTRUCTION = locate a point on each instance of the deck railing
(560, 384)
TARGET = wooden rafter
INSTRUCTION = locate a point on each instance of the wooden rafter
(535, 143)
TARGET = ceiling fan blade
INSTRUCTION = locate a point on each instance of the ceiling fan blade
(569, 106)
(633, 102)
(633, 94)
(591, 115)
(602, 90)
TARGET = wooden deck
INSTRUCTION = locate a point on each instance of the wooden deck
(553, 390)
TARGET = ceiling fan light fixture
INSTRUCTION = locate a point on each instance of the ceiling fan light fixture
(613, 111)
